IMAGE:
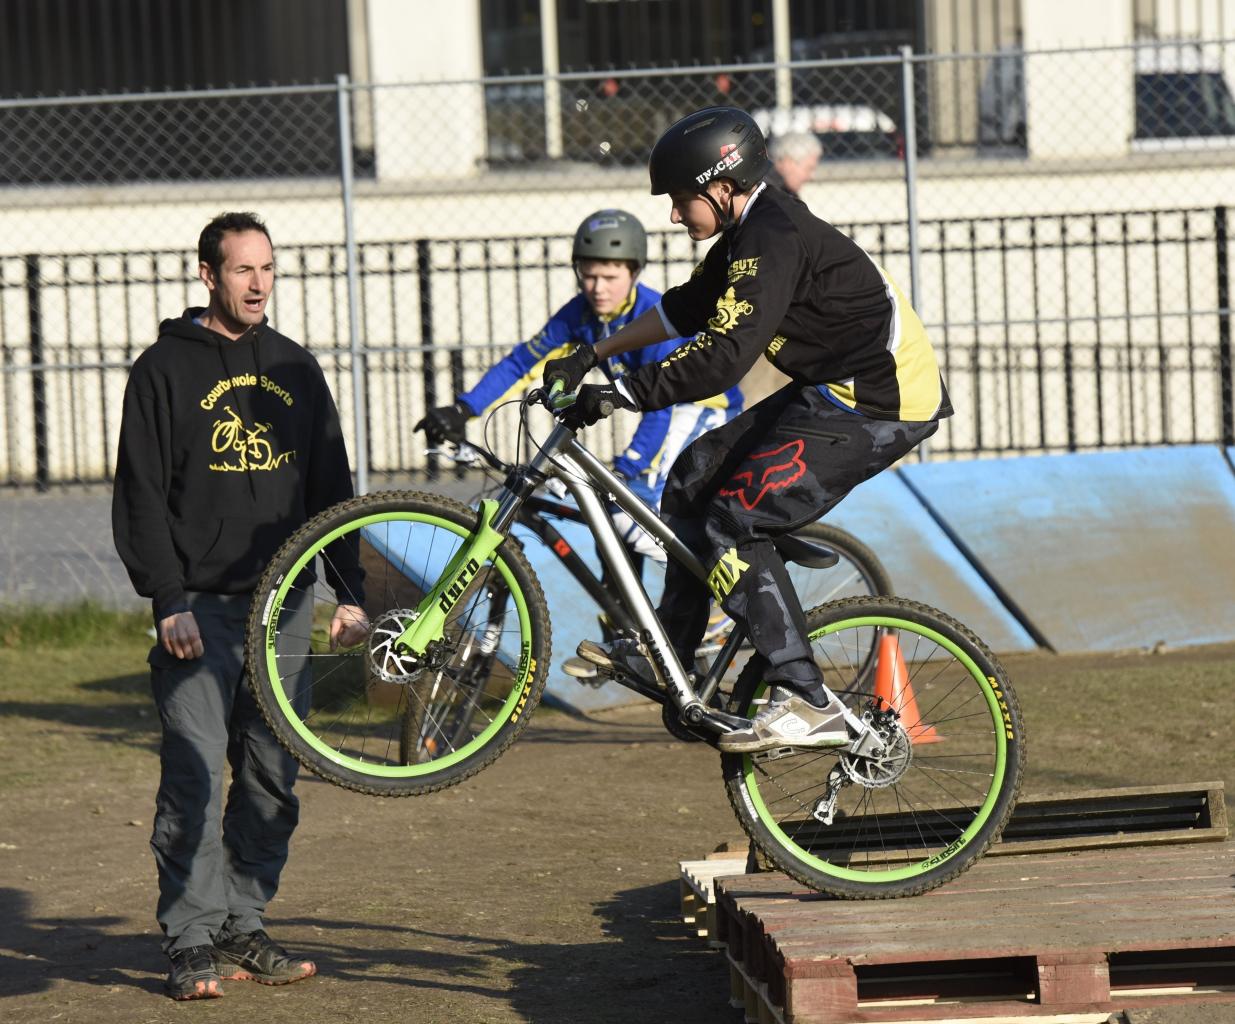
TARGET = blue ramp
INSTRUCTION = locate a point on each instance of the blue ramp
(1103, 551)
(923, 562)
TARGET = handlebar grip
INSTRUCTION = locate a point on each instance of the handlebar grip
(557, 387)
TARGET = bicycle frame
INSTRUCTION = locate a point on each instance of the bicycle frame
(587, 478)
(533, 515)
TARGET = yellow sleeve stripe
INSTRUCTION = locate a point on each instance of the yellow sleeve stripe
(842, 391)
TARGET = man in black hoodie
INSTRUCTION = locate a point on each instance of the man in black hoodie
(229, 441)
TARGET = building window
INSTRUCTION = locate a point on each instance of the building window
(1182, 97)
(127, 46)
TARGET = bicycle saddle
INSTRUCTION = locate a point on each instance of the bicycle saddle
(813, 556)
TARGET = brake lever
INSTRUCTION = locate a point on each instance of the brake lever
(467, 456)
(553, 399)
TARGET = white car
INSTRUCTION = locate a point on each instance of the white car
(845, 129)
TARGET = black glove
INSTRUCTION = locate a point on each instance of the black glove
(571, 369)
(445, 423)
(594, 402)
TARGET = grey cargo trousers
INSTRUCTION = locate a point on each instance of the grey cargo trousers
(218, 866)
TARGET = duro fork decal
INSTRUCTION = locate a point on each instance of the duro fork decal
(466, 563)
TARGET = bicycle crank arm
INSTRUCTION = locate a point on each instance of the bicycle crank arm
(636, 684)
(719, 722)
(430, 620)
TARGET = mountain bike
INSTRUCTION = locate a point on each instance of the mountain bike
(459, 621)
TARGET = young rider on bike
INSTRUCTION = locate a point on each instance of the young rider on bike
(865, 389)
(610, 248)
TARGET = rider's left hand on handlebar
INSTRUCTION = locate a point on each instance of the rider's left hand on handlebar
(571, 369)
(594, 402)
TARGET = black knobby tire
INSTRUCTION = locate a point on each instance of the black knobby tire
(349, 716)
(942, 794)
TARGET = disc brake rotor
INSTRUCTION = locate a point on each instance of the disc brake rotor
(387, 662)
(884, 768)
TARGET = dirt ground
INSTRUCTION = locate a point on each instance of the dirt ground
(544, 890)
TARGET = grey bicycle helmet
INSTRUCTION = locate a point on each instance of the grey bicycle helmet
(611, 235)
(716, 142)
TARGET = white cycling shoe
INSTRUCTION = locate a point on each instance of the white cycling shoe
(794, 722)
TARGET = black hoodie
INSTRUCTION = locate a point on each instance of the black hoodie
(786, 285)
(226, 447)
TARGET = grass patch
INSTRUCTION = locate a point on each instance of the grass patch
(84, 624)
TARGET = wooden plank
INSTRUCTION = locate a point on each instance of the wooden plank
(1191, 812)
(822, 990)
(697, 889)
(1090, 867)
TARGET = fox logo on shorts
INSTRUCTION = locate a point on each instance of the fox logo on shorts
(726, 573)
(783, 466)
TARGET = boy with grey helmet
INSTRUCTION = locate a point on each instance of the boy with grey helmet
(610, 235)
(606, 236)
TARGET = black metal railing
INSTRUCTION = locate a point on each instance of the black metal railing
(1067, 332)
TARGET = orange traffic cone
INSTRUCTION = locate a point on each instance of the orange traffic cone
(892, 689)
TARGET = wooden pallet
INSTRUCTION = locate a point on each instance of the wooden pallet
(698, 890)
(1090, 932)
(768, 920)
(1194, 812)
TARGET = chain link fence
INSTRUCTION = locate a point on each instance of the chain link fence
(1060, 217)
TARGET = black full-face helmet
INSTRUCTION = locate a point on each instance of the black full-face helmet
(611, 235)
(716, 142)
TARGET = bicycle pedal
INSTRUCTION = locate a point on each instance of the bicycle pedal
(775, 754)
(584, 671)
(592, 654)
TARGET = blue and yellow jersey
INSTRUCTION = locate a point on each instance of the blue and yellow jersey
(576, 324)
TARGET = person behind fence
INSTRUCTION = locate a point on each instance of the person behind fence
(865, 389)
(609, 250)
(229, 441)
(794, 157)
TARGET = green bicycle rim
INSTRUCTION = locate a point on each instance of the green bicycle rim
(751, 787)
(368, 767)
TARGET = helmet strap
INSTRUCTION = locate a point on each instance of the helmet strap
(724, 215)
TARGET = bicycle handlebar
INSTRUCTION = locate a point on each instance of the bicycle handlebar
(551, 398)
(556, 401)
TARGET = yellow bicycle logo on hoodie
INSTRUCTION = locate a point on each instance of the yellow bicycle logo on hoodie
(253, 450)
